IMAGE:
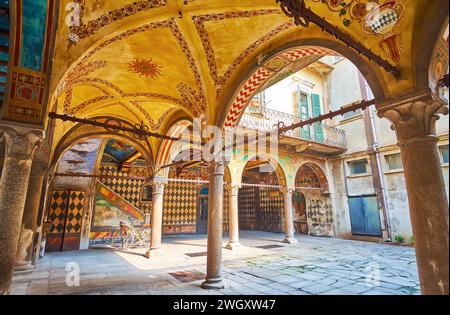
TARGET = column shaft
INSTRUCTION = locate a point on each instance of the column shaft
(414, 119)
(20, 145)
(233, 218)
(27, 240)
(289, 217)
(215, 228)
(157, 217)
(429, 212)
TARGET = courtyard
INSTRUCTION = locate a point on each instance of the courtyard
(262, 266)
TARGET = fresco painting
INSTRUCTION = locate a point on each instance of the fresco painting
(33, 33)
(79, 159)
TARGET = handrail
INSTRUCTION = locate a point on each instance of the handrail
(264, 119)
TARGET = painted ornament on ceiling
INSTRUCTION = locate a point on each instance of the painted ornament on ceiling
(378, 18)
(145, 67)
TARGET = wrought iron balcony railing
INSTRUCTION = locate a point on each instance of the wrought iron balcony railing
(265, 119)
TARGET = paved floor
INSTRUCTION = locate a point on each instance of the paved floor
(313, 266)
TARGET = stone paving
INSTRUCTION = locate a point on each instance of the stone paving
(314, 266)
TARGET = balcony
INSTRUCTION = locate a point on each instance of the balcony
(318, 138)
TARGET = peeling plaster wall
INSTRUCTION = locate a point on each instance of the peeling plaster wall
(398, 204)
(340, 200)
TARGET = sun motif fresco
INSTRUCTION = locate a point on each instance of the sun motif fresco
(145, 67)
(378, 18)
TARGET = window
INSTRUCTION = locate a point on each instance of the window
(352, 114)
(444, 153)
(394, 162)
(147, 193)
(358, 167)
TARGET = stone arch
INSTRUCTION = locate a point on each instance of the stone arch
(427, 28)
(322, 181)
(280, 170)
(72, 138)
(439, 62)
(311, 182)
(169, 149)
(274, 61)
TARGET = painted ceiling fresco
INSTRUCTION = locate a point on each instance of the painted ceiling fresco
(118, 151)
(160, 61)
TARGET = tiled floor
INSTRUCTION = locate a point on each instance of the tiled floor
(313, 266)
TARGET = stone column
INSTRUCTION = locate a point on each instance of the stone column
(414, 121)
(233, 214)
(20, 145)
(27, 240)
(157, 217)
(215, 228)
(289, 216)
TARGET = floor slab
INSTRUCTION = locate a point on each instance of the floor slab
(312, 266)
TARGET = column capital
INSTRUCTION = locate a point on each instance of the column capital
(217, 167)
(21, 142)
(158, 186)
(414, 116)
(233, 189)
(288, 190)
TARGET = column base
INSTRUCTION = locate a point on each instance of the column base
(290, 240)
(153, 252)
(213, 284)
(233, 245)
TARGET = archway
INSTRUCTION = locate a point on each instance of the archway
(284, 60)
(312, 205)
(202, 214)
(260, 199)
(98, 182)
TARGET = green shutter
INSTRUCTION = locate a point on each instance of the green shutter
(303, 107)
(318, 128)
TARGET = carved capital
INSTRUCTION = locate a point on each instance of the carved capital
(414, 116)
(233, 189)
(288, 191)
(217, 168)
(21, 142)
(158, 186)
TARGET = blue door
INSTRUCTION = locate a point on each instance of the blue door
(365, 216)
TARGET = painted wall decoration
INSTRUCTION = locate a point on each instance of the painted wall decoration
(89, 28)
(378, 18)
(145, 67)
(440, 59)
(109, 211)
(128, 188)
(33, 35)
(79, 159)
(319, 211)
(65, 214)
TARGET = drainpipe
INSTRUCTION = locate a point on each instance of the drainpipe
(387, 219)
(375, 160)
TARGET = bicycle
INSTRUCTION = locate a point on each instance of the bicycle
(131, 237)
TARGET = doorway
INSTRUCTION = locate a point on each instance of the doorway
(365, 216)
(202, 214)
(300, 215)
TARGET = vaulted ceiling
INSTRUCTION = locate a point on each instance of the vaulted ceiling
(160, 61)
